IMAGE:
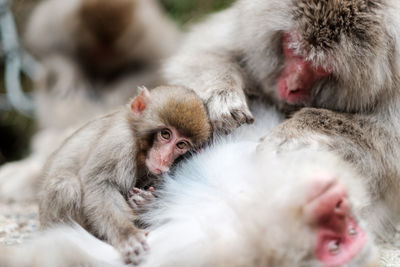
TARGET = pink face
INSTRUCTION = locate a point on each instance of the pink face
(298, 76)
(168, 145)
(339, 238)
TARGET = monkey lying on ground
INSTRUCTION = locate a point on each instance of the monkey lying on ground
(340, 55)
(87, 180)
(94, 54)
(234, 206)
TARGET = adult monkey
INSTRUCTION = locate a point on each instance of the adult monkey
(341, 55)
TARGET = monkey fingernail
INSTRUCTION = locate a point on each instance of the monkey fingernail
(250, 120)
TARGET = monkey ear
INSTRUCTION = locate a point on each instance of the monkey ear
(140, 102)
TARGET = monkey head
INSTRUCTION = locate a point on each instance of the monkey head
(168, 122)
(341, 55)
(303, 208)
(307, 213)
(103, 32)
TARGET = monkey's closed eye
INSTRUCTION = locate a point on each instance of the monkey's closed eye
(165, 134)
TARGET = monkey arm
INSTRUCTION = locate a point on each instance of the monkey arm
(109, 215)
(110, 218)
(212, 69)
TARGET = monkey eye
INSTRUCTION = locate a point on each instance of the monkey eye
(165, 134)
(182, 145)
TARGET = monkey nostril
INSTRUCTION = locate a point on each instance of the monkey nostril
(334, 247)
(295, 89)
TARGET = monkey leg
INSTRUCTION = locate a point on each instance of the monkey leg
(60, 200)
(110, 218)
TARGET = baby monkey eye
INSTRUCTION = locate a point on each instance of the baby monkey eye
(182, 145)
(165, 134)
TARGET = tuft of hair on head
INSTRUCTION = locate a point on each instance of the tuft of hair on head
(183, 109)
(107, 20)
(331, 20)
(174, 106)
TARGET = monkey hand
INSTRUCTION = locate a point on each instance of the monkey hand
(134, 248)
(137, 198)
(228, 110)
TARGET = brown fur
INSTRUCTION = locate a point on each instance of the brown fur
(106, 20)
(322, 24)
(180, 108)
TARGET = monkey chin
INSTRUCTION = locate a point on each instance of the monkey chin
(156, 170)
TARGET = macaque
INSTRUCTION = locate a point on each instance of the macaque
(339, 55)
(88, 178)
(93, 55)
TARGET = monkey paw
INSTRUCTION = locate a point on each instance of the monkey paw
(228, 110)
(138, 197)
(134, 248)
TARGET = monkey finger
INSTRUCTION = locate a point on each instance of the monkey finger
(227, 123)
(242, 117)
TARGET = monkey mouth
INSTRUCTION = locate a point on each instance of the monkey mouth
(154, 169)
(336, 249)
(339, 238)
(293, 96)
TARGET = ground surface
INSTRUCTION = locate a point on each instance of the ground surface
(18, 221)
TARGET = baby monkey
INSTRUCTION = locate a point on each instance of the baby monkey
(88, 178)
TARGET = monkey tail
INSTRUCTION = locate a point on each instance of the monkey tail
(62, 246)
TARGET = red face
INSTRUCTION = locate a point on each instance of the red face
(168, 145)
(298, 76)
(339, 238)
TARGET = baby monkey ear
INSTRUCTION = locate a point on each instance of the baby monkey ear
(140, 102)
